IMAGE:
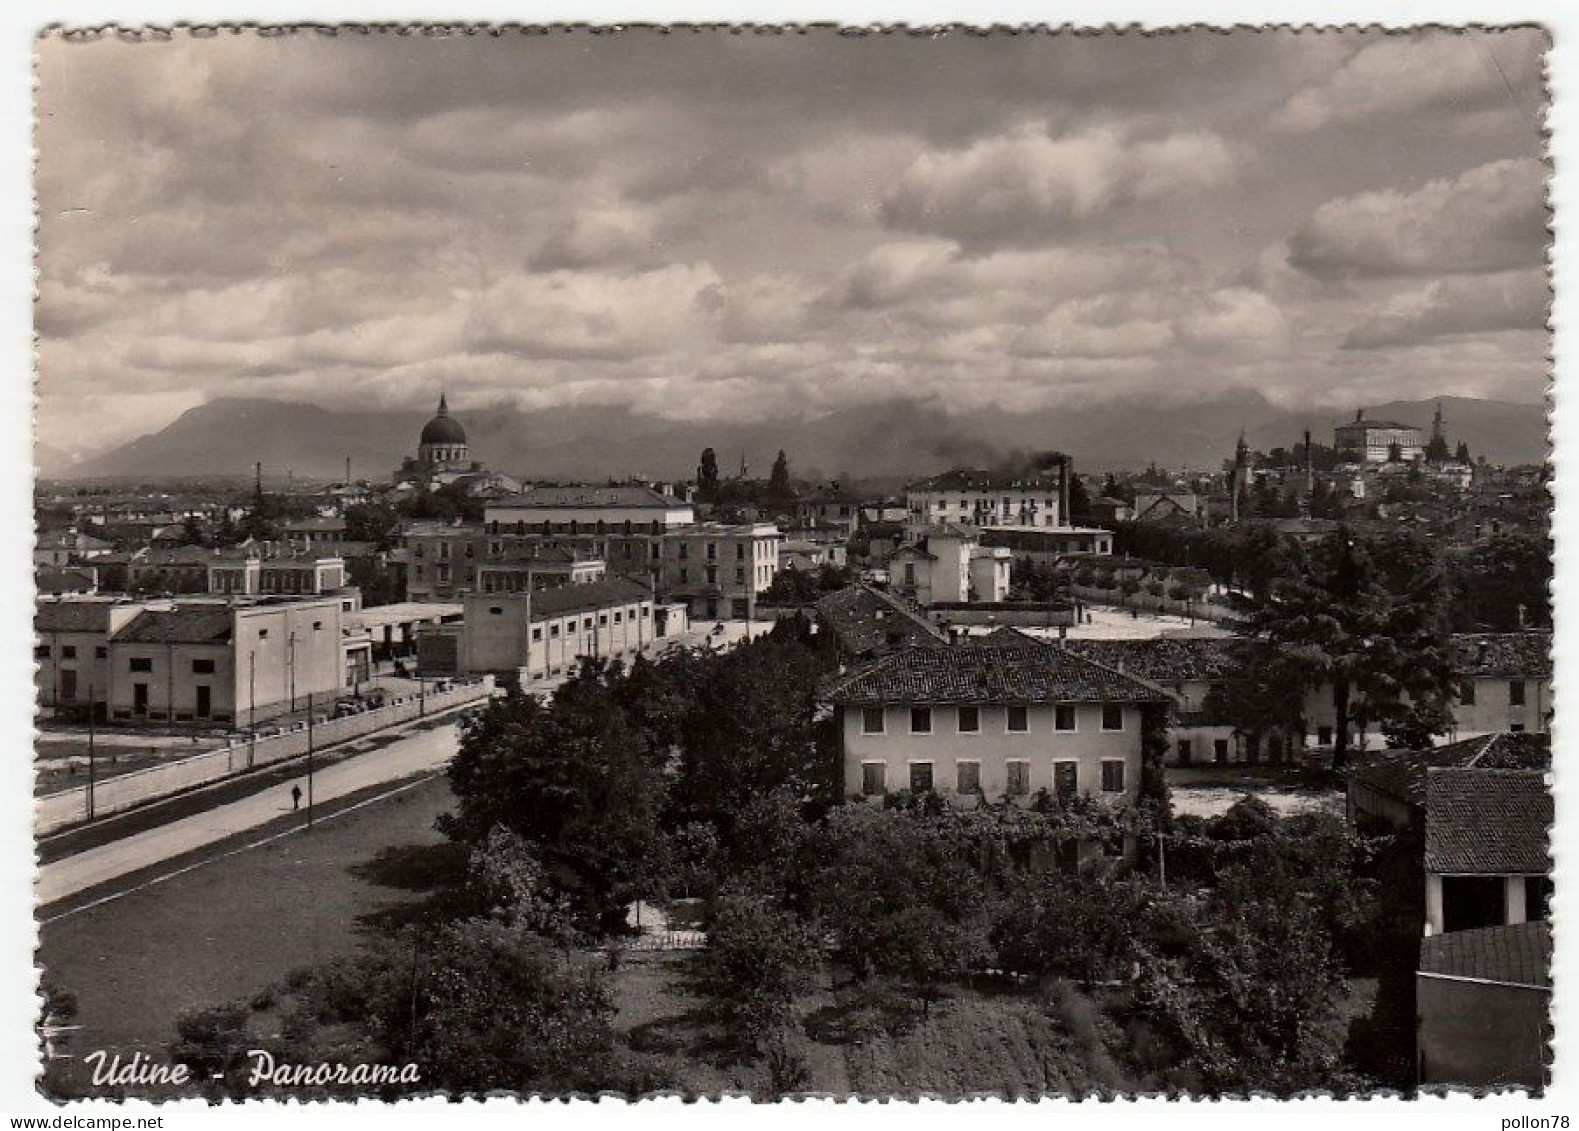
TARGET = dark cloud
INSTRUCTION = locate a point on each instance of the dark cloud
(731, 225)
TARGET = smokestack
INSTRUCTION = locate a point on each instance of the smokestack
(347, 471)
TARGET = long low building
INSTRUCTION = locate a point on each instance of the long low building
(545, 633)
(199, 662)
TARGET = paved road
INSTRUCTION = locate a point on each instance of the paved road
(422, 750)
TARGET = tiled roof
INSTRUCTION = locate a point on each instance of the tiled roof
(1402, 773)
(968, 479)
(988, 675)
(867, 622)
(175, 555)
(191, 625)
(1519, 954)
(1487, 822)
(1164, 660)
(48, 579)
(72, 616)
(1503, 655)
(562, 600)
(590, 497)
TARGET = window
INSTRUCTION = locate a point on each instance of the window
(1220, 750)
(683, 577)
(872, 720)
(100, 652)
(1018, 719)
(920, 777)
(740, 576)
(874, 778)
(1516, 693)
(619, 617)
(263, 634)
(921, 720)
(1064, 717)
(1112, 717)
(969, 718)
(1323, 736)
(317, 626)
(1019, 778)
(684, 551)
(968, 777)
(740, 551)
(1186, 751)
(41, 652)
(553, 632)
(68, 651)
(1466, 693)
(603, 618)
(537, 633)
(496, 610)
(712, 551)
(203, 667)
(140, 664)
(1112, 775)
(1066, 779)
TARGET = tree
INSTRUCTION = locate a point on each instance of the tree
(228, 534)
(580, 784)
(759, 958)
(192, 533)
(1079, 501)
(1500, 585)
(778, 478)
(707, 477)
(371, 522)
(1337, 627)
(1461, 455)
(1395, 452)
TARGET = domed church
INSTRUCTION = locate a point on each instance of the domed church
(442, 446)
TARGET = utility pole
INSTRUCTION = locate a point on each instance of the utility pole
(252, 707)
(291, 665)
(91, 713)
(309, 759)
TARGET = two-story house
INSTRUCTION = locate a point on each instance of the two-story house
(989, 721)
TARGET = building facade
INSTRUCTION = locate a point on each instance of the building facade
(968, 722)
(546, 633)
(1033, 499)
(588, 510)
(1373, 441)
(719, 569)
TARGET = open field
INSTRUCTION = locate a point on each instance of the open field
(227, 929)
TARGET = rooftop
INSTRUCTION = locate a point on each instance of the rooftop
(988, 675)
(970, 479)
(181, 625)
(1401, 774)
(1503, 655)
(550, 497)
(1518, 955)
(866, 621)
(72, 616)
(562, 600)
(1487, 822)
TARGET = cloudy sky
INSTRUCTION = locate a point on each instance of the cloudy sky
(715, 225)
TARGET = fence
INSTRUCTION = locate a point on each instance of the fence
(56, 810)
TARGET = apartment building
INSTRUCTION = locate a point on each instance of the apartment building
(719, 569)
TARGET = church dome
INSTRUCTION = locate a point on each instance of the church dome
(443, 428)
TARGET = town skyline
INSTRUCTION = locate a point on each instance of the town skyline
(1331, 220)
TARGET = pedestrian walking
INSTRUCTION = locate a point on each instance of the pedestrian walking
(296, 797)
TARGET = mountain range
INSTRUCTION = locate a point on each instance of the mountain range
(901, 437)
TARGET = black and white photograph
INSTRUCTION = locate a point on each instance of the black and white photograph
(776, 562)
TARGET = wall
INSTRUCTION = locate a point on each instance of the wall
(992, 746)
(1481, 1032)
(172, 681)
(558, 643)
(1491, 713)
(587, 518)
(57, 810)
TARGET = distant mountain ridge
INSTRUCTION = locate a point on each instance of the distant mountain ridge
(900, 437)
